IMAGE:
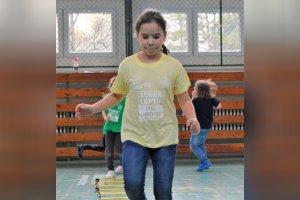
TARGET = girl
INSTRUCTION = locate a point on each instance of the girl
(112, 128)
(203, 100)
(149, 79)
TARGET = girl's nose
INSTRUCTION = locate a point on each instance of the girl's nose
(150, 41)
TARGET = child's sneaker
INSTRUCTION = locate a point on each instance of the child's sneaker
(204, 165)
(80, 150)
(110, 174)
(119, 170)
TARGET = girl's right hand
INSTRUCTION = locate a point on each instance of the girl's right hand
(83, 109)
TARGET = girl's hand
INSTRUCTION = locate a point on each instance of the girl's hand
(106, 118)
(83, 110)
(194, 125)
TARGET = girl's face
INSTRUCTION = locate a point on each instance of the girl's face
(194, 92)
(213, 91)
(151, 38)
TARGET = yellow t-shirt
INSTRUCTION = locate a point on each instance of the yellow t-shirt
(149, 118)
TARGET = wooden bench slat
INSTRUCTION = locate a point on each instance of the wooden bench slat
(226, 104)
(79, 137)
(216, 76)
(99, 92)
(84, 121)
(225, 148)
(66, 107)
(231, 90)
(230, 134)
(98, 121)
(72, 152)
(105, 77)
(228, 119)
(232, 104)
(80, 92)
(215, 148)
(84, 77)
(183, 135)
(226, 90)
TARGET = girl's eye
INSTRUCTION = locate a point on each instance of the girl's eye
(145, 37)
(156, 37)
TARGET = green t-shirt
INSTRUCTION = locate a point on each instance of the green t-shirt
(115, 115)
(150, 114)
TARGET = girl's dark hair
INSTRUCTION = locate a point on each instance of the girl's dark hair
(165, 50)
(152, 16)
(203, 89)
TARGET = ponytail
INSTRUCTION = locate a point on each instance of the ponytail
(165, 50)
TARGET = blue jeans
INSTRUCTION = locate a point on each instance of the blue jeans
(135, 158)
(197, 144)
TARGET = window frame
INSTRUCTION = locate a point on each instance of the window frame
(59, 14)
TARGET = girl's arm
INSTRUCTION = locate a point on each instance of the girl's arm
(189, 111)
(87, 109)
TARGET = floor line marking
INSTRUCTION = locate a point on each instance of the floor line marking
(83, 180)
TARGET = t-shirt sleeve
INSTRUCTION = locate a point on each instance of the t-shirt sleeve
(182, 82)
(215, 102)
(120, 85)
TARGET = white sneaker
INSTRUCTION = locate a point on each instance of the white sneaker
(119, 170)
(110, 174)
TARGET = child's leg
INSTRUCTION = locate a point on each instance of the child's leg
(118, 146)
(197, 144)
(93, 147)
(203, 137)
(163, 160)
(109, 149)
(135, 159)
(205, 163)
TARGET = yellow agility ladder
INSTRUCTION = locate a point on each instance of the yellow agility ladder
(110, 189)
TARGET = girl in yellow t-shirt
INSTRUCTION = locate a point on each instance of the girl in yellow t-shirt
(149, 79)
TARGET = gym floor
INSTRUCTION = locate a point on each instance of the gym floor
(223, 181)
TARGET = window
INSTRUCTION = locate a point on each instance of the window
(177, 29)
(209, 32)
(231, 32)
(90, 33)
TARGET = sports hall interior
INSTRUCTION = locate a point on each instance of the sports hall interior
(206, 36)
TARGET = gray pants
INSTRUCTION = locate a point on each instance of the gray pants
(112, 142)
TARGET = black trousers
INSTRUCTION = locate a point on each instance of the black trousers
(95, 147)
(112, 142)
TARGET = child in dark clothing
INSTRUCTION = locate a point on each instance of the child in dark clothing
(204, 100)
